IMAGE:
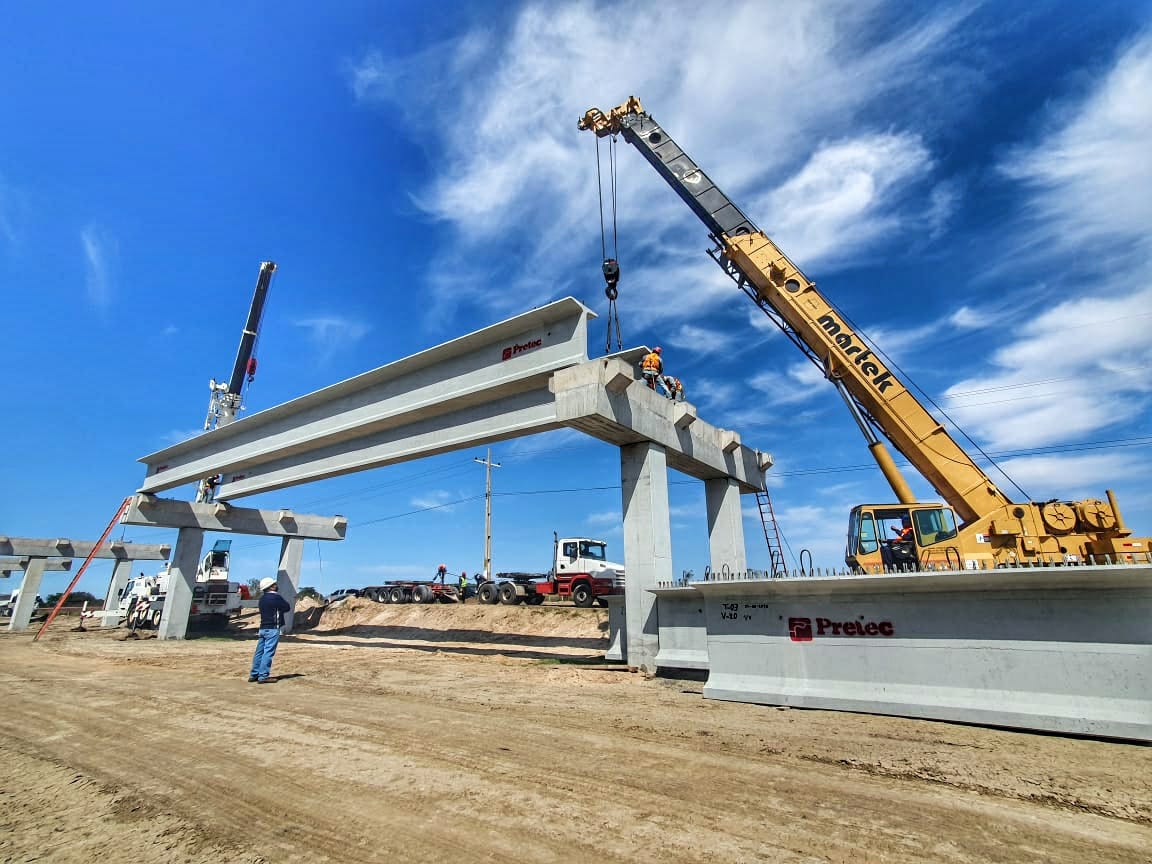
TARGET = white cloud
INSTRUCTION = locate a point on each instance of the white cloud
(800, 382)
(100, 252)
(392, 570)
(510, 156)
(332, 333)
(1090, 178)
(605, 517)
(1087, 183)
(175, 436)
(1076, 476)
(845, 198)
(437, 500)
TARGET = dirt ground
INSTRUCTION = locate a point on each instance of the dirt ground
(483, 734)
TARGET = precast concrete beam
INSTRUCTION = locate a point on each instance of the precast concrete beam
(1059, 649)
(121, 574)
(27, 547)
(647, 546)
(153, 512)
(8, 566)
(497, 420)
(512, 358)
(637, 414)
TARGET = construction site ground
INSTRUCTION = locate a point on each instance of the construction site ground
(492, 733)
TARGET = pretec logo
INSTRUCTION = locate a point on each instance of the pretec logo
(512, 350)
(801, 629)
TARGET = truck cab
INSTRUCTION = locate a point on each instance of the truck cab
(584, 555)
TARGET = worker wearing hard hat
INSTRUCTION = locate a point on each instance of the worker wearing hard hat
(651, 367)
(673, 387)
(272, 609)
(463, 585)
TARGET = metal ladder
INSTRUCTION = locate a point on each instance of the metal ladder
(772, 535)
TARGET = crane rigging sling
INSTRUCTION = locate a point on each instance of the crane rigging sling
(611, 266)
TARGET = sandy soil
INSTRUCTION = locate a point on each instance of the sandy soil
(473, 734)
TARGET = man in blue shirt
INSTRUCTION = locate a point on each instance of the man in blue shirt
(272, 609)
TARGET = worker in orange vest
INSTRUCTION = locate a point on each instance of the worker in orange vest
(651, 367)
(673, 387)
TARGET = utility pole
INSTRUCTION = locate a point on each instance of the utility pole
(489, 465)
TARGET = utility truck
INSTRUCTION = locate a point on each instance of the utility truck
(580, 572)
(978, 526)
(215, 598)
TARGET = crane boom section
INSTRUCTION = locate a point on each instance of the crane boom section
(251, 328)
(841, 352)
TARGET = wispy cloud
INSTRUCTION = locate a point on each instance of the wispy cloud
(844, 199)
(100, 253)
(438, 500)
(330, 334)
(1086, 182)
(518, 161)
(394, 570)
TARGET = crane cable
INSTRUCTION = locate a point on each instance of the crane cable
(610, 266)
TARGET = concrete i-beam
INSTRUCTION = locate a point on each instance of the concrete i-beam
(194, 519)
(528, 374)
(8, 566)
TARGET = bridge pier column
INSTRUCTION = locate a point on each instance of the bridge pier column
(725, 525)
(181, 581)
(647, 546)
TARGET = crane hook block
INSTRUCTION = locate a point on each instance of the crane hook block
(611, 272)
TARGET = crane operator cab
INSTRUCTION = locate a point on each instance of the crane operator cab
(898, 537)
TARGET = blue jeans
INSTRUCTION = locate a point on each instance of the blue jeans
(267, 638)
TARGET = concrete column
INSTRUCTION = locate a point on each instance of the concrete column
(725, 525)
(26, 602)
(121, 573)
(288, 575)
(647, 546)
(181, 581)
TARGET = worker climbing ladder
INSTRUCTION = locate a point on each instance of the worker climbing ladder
(772, 535)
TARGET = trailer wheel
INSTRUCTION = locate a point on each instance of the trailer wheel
(534, 599)
(582, 595)
(423, 594)
(396, 595)
(508, 595)
(488, 593)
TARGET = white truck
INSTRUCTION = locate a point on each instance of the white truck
(580, 571)
(214, 597)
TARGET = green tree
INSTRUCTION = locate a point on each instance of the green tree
(254, 587)
(308, 591)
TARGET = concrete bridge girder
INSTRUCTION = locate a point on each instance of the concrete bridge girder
(524, 375)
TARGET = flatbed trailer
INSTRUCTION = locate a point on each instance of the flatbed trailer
(403, 591)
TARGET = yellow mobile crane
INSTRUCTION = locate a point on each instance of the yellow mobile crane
(980, 526)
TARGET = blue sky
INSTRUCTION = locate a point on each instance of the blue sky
(971, 183)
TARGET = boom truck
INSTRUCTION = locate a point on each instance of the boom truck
(978, 526)
(214, 597)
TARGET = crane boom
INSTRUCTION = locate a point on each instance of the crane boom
(992, 529)
(251, 328)
(807, 316)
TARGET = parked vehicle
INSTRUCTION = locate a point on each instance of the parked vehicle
(343, 594)
(214, 597)
(580, 571)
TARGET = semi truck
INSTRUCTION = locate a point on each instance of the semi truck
(580, 572)
(215, 599)
(977, 526)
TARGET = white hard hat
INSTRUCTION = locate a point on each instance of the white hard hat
(266, 583)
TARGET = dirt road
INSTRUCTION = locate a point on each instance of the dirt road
(442, 734)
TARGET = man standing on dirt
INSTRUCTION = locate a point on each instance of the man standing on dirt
(272, 609)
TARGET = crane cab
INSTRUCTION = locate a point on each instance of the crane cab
(879, 538)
